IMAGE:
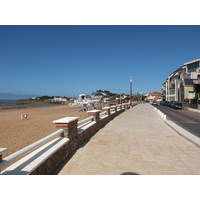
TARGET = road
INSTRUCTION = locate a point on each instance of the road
(188, 120)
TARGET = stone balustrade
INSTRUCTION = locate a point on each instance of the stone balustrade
(77, 135)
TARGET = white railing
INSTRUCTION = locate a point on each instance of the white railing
(118, 108)
(85, 120)
(103, 114)
(15, 156)
(112, 110)
(85, 123)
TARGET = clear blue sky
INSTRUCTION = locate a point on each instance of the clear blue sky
(70, 60)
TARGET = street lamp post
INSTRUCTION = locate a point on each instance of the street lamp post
(130, 90)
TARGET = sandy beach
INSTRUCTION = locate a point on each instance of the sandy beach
(16, 133)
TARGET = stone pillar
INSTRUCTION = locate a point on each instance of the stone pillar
(120, 106)
(95, 113)
(2, 150)
(69, 125)
(126, 106)
(115, 108)
(107, 109)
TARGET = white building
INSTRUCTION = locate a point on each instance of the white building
(84, 99)
(180, 84)
(59, 99)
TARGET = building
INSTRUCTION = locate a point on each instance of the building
(59, 99)
(84, 99)
(153, 96)
(180, 84)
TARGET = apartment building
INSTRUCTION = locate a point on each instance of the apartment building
(180, 84)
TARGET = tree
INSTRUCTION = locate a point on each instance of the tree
(197, 90)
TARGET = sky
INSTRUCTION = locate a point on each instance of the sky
(69, 60)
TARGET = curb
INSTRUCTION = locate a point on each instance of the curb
(186, 134)
(163, 116)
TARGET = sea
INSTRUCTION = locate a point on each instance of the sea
(6, 102)
(50, 105)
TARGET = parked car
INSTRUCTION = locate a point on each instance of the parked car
(171, 104)
(162, 103)
(177, 105)
(167, 103)
(154, 103)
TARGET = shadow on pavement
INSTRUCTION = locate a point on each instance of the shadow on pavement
(129, 173)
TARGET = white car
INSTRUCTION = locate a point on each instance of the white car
(154, 103)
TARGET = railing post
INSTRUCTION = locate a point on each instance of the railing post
(126, 106)
(95, 113)
(115, 108)
(2, 150)
(120, 106)
(107, 109)
(69, 125)
(123, 106)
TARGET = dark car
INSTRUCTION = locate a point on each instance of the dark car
(162, 103)
(171, 104)
(177, 105)
(167, 103)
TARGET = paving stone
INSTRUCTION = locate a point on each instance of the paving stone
(137, 141)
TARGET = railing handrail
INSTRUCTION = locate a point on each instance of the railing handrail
(103, 113)
(13, 157)
(85, 120)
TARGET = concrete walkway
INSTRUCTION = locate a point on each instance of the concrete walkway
(138, 141)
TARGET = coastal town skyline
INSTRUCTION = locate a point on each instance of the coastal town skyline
(70, 60)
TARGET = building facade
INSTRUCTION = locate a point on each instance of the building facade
(180, 84)
(153, 96)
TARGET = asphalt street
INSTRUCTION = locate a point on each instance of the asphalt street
(188, 120)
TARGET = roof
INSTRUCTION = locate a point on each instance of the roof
(155, 94)
(177, 70)
(192, 61)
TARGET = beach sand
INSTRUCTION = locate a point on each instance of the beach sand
(16, 134)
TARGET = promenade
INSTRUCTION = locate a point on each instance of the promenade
(137, 141)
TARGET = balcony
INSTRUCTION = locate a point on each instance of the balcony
(171, 95)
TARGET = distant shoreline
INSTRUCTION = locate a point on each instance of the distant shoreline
(17, 104)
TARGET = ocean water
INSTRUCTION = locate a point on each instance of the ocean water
(4, 102)
(7, 104)
(8, 99)
(50, 105)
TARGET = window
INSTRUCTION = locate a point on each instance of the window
(193, 67)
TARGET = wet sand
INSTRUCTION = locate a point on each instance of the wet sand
(16, 133)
